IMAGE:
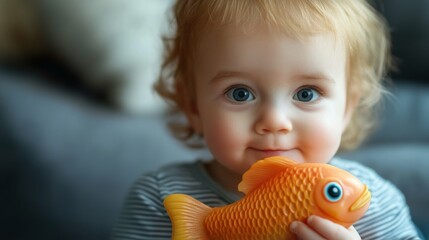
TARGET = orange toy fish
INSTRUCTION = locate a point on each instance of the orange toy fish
(278, 191)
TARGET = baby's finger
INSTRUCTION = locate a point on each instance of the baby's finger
(328, 229)
(302, 231)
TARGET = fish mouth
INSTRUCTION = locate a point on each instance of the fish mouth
(364, 198)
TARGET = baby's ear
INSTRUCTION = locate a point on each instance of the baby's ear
(190, 109)
(194, 120)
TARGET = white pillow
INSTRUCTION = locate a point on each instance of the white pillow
(112, 42)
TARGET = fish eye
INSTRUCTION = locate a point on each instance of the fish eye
(333, 192)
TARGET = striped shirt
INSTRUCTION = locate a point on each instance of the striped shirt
(144, 216)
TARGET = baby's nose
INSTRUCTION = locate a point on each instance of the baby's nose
(274, 119)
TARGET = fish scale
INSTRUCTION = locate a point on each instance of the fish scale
(255, 215)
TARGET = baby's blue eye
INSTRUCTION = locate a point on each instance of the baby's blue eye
(333, 192)
(240, 94)
(306, 95)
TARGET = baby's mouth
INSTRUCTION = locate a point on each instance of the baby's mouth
(269, 152)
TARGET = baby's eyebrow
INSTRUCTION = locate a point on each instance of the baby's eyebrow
(227, 74)
(317, 76)
(246, 75)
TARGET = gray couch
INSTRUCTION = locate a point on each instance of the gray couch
(67, 161)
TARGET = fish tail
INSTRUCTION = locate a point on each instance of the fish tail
(187, 217)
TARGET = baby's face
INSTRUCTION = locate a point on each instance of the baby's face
(261, 94)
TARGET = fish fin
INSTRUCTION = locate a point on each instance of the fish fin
(187, 217)
(263, 170)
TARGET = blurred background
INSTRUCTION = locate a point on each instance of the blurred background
(79, 121)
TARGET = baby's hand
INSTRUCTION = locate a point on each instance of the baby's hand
(320, 228)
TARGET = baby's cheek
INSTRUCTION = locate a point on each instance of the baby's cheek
(228, 141)
(322, 140)
(223, 136)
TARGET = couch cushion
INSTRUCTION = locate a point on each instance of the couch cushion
(68, 164)
(403, 114)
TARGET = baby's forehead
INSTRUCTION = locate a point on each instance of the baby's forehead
(263, 30)
(255, 29)
(238, 37)
(216, 32)
(269, 54)
(294, 18)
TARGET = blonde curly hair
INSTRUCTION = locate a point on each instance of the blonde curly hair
(355, 22)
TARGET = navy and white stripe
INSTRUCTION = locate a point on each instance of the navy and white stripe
(144, 216)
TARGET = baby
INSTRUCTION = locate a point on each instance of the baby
(261, 78)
